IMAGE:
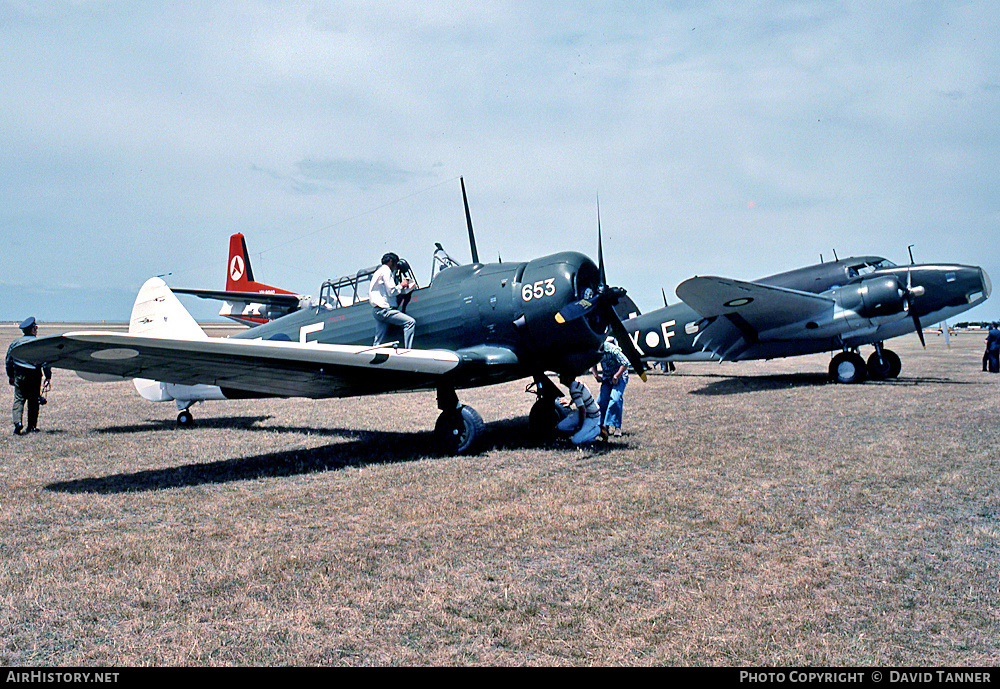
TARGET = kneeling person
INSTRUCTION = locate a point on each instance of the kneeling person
(585, 423)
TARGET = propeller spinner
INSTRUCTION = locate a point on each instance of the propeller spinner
(599, 302)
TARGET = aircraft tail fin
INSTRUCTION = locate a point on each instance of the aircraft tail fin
(158, 313)
(239, 273)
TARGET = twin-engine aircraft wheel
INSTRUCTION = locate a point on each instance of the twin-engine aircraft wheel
(885, 366)
(848, 367)
(458, 430)
(185, 419)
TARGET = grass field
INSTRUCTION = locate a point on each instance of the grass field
(751, 515)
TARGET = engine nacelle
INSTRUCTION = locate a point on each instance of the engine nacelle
(876, 297)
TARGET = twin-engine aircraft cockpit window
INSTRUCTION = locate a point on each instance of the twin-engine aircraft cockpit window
(869, 267)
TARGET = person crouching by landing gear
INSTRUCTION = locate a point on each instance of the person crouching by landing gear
(27, 381)
(584, 423)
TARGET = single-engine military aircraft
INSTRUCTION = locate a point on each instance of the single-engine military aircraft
(838, 305)
(477, 324)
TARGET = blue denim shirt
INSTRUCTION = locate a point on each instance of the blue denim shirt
(612, 359)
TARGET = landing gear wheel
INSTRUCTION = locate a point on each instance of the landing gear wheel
(886, 366)
(457, 430)
(848, 367)
(185, 419)
(543, 417)
(895, 365)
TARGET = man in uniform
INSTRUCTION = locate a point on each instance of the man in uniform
(27, 381)
(991, 359)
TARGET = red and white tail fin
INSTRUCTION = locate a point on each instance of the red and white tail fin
(239, 274)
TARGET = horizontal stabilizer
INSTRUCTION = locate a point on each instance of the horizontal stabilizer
(285, 300)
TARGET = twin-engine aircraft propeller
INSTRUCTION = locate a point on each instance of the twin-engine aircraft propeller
(602, 304)
(909, 294)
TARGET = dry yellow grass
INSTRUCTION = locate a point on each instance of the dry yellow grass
(751, 515)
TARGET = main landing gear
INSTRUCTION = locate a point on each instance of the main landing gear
(459, 426)
(883, 363)
(850, 367)
(546, 412)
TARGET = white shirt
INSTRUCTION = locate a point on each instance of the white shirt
(383, 290)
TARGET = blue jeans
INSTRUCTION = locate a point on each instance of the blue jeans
(611, 402)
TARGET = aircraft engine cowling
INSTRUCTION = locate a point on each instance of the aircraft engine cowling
(545, 286)
(876, 297)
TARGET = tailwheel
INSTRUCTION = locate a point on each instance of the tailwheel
(884, 365)
(848, 367)
(185, 419)
(459, 429)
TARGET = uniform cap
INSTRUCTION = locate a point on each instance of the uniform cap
(27, 323)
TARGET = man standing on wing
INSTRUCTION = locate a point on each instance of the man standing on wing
(383, 295)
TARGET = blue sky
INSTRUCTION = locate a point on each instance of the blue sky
(735, 139)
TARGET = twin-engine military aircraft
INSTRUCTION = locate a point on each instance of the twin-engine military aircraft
(477, 324)
(838, 305)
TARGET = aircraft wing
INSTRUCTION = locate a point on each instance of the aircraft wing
(743, 313)
(762, 306)
(253, 367)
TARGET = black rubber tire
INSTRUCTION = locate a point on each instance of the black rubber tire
(848, 368)
(459, 430)
(542, 420)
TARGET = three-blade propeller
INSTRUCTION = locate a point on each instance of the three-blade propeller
(910, 293)
(603, 304)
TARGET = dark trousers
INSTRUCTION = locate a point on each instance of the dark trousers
(27, 388)
(991, 360)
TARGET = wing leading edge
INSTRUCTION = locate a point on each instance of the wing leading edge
(272, 368)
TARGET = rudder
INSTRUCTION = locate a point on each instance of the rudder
(158, 313)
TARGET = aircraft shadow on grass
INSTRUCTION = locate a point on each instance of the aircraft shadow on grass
(736, 385)
(223, 422)
(360, 448)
